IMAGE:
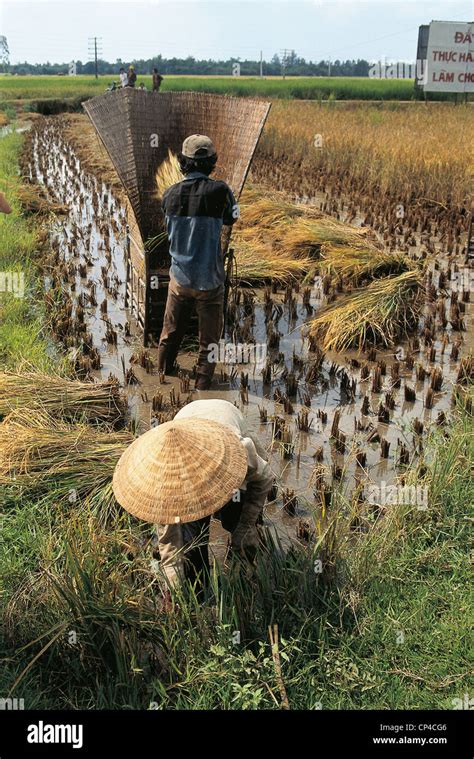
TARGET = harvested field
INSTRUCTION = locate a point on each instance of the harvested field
(303, 267)
(361, 380)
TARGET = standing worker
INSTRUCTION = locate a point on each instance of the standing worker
(195, 210)
(204, 462)
(131, 77)
(123, 77)
(156, 79)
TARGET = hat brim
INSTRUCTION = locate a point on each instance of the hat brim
(180, 471)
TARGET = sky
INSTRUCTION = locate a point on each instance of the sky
(58, 32)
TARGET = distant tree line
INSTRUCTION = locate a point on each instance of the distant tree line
(292, 66)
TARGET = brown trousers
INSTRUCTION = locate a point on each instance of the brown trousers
(209, 305)
(184, 548)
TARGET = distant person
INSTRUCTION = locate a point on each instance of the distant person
(157, 79)
(131, 77)
(4, 206)
(142, 87)
(112, 87)
(123, 77)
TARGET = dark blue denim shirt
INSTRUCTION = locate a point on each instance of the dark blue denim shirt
(195, 210)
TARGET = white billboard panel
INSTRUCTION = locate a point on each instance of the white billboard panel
(450, 57)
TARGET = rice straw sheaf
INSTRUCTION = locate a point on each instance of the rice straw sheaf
(40, 453)
(257, 261)
(266, 209)
(168, 173)
(294, 228)
(34, 201)
(357, 263)
(328, 230)
(71, 399)
(296, 240)
(379, 314)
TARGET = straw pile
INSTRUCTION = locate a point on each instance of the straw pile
(380, 314)
(71, 399)
(41, 453)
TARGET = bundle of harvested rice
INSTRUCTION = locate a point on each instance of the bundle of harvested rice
(256, 262)
(294, 228)
(329, 230)
(71, 399)
(288, 241)
(361, 262)
(261, 208)
(34, 200)
(168, 173)
(40, 453)
(379, 314)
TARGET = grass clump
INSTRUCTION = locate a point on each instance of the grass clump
(21, 314)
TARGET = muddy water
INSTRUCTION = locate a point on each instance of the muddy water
(93, 235)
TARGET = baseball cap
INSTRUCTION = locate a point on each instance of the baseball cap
(198, 146)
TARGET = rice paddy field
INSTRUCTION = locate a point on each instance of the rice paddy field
(352, 269)
(33, 88)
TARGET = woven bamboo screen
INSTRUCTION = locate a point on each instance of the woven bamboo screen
(138, 127)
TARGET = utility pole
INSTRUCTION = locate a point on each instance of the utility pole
(284, 56)
(329, 67)
(4, 53)
(95, 43)
(261, 64)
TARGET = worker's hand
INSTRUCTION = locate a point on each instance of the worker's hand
(245, 541)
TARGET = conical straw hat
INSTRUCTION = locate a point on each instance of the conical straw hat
(180, 471)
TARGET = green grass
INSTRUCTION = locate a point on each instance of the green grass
(21, 322)
(340, 88)
(340, 633)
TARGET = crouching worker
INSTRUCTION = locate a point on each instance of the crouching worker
(203, 463)
(195, 210)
